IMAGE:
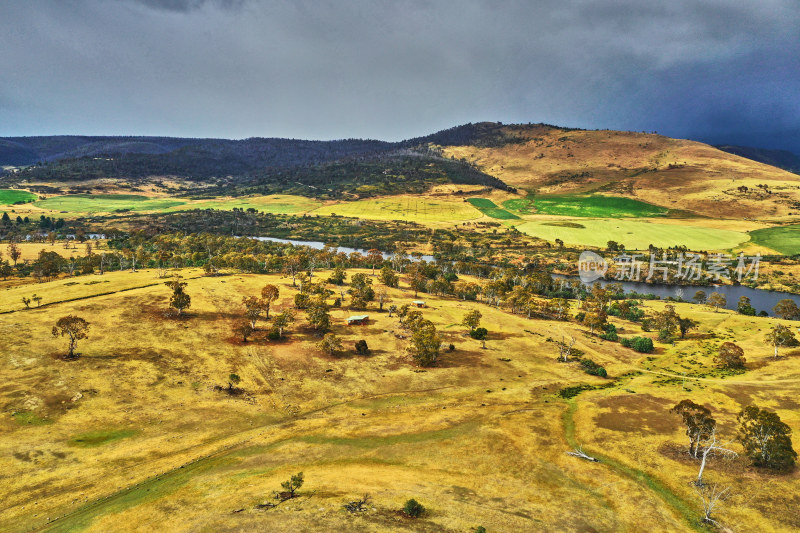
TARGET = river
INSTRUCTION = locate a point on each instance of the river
(760, 299)
(317, 245)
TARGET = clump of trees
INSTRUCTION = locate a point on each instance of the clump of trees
(766, 439)
(744, 307)
(74, 328)
(425, 341)
(318, 314)
(361, 291)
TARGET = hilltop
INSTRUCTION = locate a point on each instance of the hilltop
(673, 173)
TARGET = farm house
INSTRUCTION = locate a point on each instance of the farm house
(357, 320)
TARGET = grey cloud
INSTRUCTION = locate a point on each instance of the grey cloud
(392, 70)
(187, 5)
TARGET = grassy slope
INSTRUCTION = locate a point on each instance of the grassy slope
(671, 173)
(177, 455)
(595, 206)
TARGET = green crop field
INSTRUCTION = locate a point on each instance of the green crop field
(635, 234)
(783, 239)
(11, 196)
(106, 203)
(595, 206)
(523, 206)
(489, 208)
(404, 208)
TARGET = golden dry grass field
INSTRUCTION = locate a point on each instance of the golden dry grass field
(133, 436)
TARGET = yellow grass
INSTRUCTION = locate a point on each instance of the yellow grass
(478, 440)
(408, 208)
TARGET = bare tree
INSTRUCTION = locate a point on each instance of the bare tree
(711, 446)
(582, 455)
(564, 349)
(711, 496)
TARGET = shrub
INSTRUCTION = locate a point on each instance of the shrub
(609, 336)
(640, 344)
(479, 333)
(452, 347)
(592, 368)
(273, 334)
(361, 347)
(413, 508)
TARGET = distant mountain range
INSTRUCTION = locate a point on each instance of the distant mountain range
(538, 158)
(777, 158)
(206, 157)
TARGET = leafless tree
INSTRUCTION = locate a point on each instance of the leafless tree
(565, 349)
(711, 446)
(580, 453)
(711, 496)
(358, 506)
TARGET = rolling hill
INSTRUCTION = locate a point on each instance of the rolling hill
(684, 176)
(678, 174)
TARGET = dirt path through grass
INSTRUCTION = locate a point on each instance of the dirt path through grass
(680, 507)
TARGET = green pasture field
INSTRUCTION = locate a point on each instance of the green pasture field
(107, 203)
(635, 234)
(595, 206)
(11, 196)
(783, 239)
(489, 208)
(523, 206)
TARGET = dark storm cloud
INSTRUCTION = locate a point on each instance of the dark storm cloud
(722, 71)
(187, 5)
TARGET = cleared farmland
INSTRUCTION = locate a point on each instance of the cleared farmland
(634, 234)
(418, 209)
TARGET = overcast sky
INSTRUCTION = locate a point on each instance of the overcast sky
(723, 71)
